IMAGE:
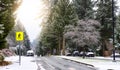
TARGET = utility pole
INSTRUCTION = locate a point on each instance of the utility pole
(113, 23)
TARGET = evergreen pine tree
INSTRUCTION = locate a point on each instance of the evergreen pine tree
(62, 14)
(6, 18)
(104, 15)
(84, 8)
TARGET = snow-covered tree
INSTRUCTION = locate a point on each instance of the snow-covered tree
(85, 33)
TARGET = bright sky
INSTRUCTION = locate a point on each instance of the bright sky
(28, 13)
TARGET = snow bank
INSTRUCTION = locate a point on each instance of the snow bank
(27, 63)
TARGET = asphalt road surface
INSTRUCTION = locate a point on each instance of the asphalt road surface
(56, 63)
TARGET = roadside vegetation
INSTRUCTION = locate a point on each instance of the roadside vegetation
(75, 24)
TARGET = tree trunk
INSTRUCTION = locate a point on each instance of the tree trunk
(106, 53)
(107, 47)
(59, 49)
(63, 46)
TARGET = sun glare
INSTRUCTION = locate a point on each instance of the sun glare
(31, 14)
(28, 10)
(27, 13)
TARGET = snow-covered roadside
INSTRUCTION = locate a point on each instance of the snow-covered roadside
(99, 64)
(27, 63)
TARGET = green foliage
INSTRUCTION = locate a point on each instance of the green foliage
(1, 57)
(2, 43)
(6, 17)
(104, 15)
(117, 30)
(62, 13)
(48, 37)
(84, 8)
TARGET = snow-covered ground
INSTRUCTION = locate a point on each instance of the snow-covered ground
(27, 63)
(100, 63)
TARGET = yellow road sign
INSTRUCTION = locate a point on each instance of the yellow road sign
(19, 36)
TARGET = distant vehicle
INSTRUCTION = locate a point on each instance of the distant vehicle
(30, 53)
(68, 54)
(90, 54)
(116, 55)
(75, 53)
(82, 53)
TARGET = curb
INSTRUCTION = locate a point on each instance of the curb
(104, 59)
(90, 65)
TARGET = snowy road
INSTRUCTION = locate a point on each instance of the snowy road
(55, 63)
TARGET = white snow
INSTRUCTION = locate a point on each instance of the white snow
(27, 63)
(101, 63)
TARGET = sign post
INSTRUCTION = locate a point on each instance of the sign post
(19, 37)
